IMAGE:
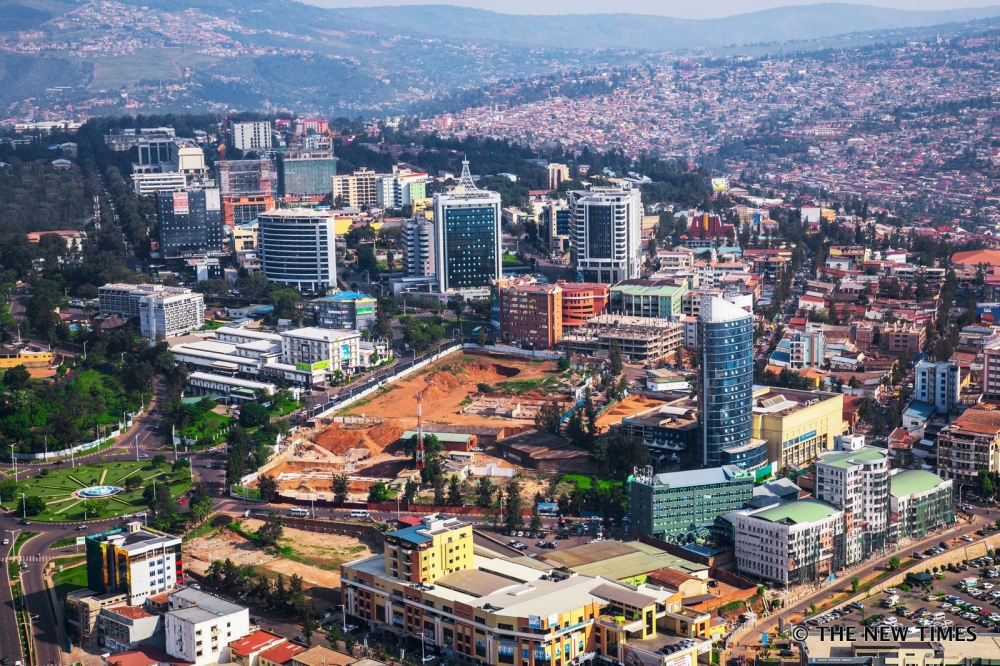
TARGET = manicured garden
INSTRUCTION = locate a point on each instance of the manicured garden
(53, 494)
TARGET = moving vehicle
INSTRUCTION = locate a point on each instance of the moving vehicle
(361, 514)
(298, 511)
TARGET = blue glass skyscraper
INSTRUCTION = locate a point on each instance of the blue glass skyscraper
(468, 253)
(725, 386)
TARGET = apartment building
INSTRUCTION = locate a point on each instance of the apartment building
(322, 349)
(349, 310)
(494, 611)
(164, 311)
(921, 502)
(531, 315)
(641, 340)
(605, 231)
(254, 135)
(798, 425)
(903, 336)
(937, 384)
(683, 506)
(857, 483)
(790, 544)
(648, 298)
(582, 301)
(357, 189)
(969, 444)
(121, 628)
(133, 560)
(419, 254)
(198, 627)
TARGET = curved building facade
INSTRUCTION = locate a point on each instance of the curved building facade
(725, 386)
(298, 248)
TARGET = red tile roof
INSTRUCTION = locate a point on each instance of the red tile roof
(283, 653)
(131, 612)
(255, 642)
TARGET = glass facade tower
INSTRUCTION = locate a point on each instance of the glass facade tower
(467, 237)
(725, 386)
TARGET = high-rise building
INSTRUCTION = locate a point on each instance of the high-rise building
(968, 445)
(605, 232)
(531, 315)
(937, 384)
(133, 560)
(349, 310)
(923, 502)
(360, 188)
(467, 236)
(297, 247)
(683, 506)
(162, 311)
(255, 135)
(244, 209)
(306, 173)
(151, 183)
(557, 224)
(857, 483)
(725, 386)
(248, 188)
(401, 188)
(417, 238)
(558, 173)
(190, 223)
(198, 627)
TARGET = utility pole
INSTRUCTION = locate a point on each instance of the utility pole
(13, 460)
(420, 430)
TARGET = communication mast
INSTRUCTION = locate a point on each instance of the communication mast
(420, 429)
(97, 213)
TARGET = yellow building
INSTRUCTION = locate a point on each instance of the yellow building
(27, 359)
(503, 611)
(797, 425)
(244, 237)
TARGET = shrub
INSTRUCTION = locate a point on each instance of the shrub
(221, 519)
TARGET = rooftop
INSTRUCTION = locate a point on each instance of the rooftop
(138, 541)
(800, 511)
(283, 652)
(321, 334)
(130, 612)
(701, 477)
(255, 642)
(322, 656)
(846, 459)
(347, 296)
(909, 482)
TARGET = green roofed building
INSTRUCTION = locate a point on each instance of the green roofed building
(791, 544)
(648, 298)
(921, 502)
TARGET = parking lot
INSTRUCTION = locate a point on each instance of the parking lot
(962, 595)
(573, 533)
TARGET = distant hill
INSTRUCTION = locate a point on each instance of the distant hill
(631, 31)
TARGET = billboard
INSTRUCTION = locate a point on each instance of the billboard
(181, 206)
(312, 367)
(213, 201)
(720, 184)
(534, 622)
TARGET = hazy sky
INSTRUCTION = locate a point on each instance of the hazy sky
(676, 8)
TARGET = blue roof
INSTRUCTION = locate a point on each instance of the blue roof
(411, 534)
(780, 357)
(347, 296)
(923, 409)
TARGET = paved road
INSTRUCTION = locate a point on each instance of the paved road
(10, 645)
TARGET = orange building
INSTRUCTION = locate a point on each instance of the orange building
(531, 315)
(582, 301)
(242, 209)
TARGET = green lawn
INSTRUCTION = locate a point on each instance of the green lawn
(57, 489)
(69, 579)
(65, 541)
(583, 482)
(207, 424)
(284, 407)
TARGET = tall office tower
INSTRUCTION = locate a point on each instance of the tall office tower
(605, 231)
(306, 173)
(558, 223)
(725, 385)
(467, 236)
(297, 247)
(248, 188)
(938, 384)
(255, 135)
(190, 223)
(418, 247)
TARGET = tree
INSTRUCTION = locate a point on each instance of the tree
(159, 460)
(378, 492)
(894, 563)
(481, 337)
(484, 492)
(268, 487)
(457, 304)
(536, 516)
(16, 378)
(855, 584)
(410, 491)
(547, 418)
(615, 359)
(383, 321)
(253, 414)
(439, 498)
(270, 532)
(629, 453)
(454, 491)
(33, 505)
(514, 506)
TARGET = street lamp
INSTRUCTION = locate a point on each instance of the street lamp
(24, 506)
(85, 350)
(13, 460)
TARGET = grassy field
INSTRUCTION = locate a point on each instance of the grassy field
(70, 578)
(583, 482)
(59, 486)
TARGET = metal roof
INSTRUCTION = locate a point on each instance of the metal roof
(914, 481)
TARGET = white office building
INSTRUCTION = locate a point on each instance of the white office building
(605, 229)
(417, 238)
(298, 248)
(165, 311)
(151, 183)
(255, 135)
(937, 384)
(323, 349)
(133, 560)
(199, 627)
(857, 482)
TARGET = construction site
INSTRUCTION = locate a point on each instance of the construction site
(470, 402)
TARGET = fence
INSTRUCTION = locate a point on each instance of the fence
(516, 351)
(81, 448)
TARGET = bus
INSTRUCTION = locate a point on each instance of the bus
(298, 511)
(360, 514)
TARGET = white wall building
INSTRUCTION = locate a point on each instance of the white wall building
(937, 384)
(417, 238)
(298, 248)
(122, 628)
(198, 627)
(605, 232)
(857, 482)
(170, 315)
(134, 560)
(151, 183)
(255, 135)
(323, 349)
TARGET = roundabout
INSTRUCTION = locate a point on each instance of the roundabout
(98, 492)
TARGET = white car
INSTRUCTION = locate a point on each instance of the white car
(6, 542)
